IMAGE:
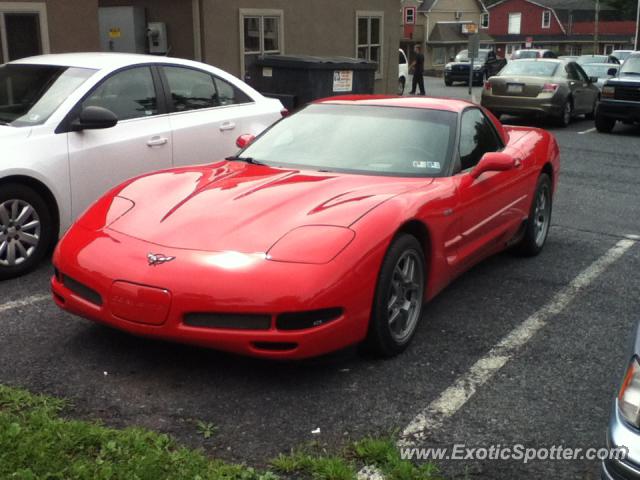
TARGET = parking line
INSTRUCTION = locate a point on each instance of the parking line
(455, 396)
(587, 131)
(24, 302)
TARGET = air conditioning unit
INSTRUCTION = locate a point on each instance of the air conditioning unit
(458, 15)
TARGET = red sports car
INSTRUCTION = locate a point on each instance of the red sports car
(331, 228)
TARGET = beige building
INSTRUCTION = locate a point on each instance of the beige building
(227, 33)
(441, 26)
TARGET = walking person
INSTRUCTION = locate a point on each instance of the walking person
(418, 71)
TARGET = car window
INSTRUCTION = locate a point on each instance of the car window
(572, 72)
(229, 94)
(129, 94)
(581, 74)
(191, 89)
(477, 137)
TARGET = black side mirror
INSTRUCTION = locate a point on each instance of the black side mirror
(612, 72)
(593, 79)
(94, 118)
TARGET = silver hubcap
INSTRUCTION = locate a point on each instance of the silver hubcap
(405, 296)
(19, 232)
(542, 215)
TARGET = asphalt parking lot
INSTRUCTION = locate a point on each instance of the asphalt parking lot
(555, 388)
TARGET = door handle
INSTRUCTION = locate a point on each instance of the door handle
(227, 126)
(157, 141)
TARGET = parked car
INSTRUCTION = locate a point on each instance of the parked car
(585, 59)
(542, 87)
(403, 71)
(484, 66)
(568, 57)
(72, 126)
(623, 434)
(601, 71)
(620, 97)
(533, 53)
(622, 55)
(325, 231)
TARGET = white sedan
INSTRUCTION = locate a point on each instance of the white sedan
(74, 125)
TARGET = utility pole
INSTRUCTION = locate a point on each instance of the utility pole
(595, 36)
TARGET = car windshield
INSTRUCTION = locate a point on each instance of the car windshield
(463, 56)
(631, 66)
(621, 55)
(599, 71)
(526, 54)
(530, 68)
(593, 59)
(29, 94)
(392, 141)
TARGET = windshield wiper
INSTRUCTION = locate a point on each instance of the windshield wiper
(251, 160)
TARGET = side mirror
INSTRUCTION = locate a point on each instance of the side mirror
(612, 72)
(244, 140)
(494, 162)
(593, 79)
(94, 118)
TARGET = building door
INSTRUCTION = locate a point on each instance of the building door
(22, 34)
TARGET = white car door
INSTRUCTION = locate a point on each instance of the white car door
(139, 143)
(208, 115)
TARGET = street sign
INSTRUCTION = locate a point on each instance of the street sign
(528, 42)
(469, 28)
(474, 45)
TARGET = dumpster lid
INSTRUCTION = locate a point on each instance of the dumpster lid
(309, 62)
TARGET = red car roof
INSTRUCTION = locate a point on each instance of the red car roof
(449, 104)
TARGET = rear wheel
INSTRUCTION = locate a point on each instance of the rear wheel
(539, 221)
(605, 124)
(397, 305)
(26, 230)
(567, 114)
(401, 86)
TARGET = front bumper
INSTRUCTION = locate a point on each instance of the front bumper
(619, 109)
(619, 435)
(121, 290)
(463, 75)
(513, 105)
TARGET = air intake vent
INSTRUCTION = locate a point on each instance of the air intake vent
(82, 290)
(228, 321)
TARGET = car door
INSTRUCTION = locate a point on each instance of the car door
(579, 87)
(492, 206)
(589, 90)
(139, 143)
(207, 115)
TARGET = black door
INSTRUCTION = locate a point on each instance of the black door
(23, 35)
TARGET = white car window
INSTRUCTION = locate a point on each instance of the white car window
(229, 94)
(191, 89)
(129, 94)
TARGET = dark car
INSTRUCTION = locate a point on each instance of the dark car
(623, 434)
(620, 97)
(542, 87)
(484, 66)
(533, 53)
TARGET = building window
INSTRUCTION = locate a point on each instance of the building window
(546, 19)
(514, 23)
(410, 15)
(261, 34)
(23, 30)
(369, 37)
(608, 49)
(484, 20)
(575, 50)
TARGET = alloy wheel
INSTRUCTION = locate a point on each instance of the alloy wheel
(405, 297)
(542, 215)
(20, 232)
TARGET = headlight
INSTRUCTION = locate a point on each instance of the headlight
(311, 244)
(629, 395)
(608, 91)
(477, 67)
(447, 66)
(104, 212)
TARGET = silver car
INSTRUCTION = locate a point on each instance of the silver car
(601, 71)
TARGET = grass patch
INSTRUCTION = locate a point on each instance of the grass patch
(37, 443)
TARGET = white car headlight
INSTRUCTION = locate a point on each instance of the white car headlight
(447, 66)
(629, 395)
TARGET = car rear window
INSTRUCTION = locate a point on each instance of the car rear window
(530, 68)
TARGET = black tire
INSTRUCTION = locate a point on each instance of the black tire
(566, 114)
(10, 232)
(401, 86)
(448, 83)
(533, 240)
(604, 124)
(381, 339)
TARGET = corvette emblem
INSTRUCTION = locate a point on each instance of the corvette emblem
(156, 259)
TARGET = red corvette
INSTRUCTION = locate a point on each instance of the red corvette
(330, 229)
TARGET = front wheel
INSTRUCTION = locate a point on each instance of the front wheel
(26, 230)
(605, 124)
(539, 221)
(448, 83)
(397, 305)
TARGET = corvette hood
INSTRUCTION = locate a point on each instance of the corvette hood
(247, 208)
